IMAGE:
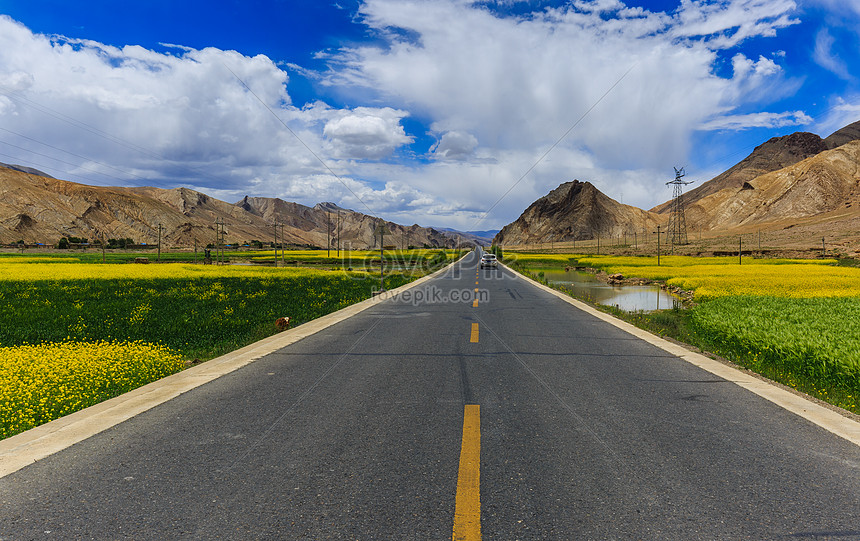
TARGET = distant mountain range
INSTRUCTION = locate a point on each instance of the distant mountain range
(37, 208)
(482, 238)
(795, 177)
(786, 180)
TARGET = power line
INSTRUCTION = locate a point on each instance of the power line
(53, 158)
(68, 152)
(299, 139)
(105, 135)
(550, 149)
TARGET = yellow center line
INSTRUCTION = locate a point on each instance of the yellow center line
(474, 337)
(467, 510)
(475, 303)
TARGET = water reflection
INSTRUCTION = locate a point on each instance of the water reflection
(628, 297)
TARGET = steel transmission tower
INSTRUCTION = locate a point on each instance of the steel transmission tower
(677, 222)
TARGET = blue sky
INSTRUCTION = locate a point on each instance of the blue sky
(418, 111)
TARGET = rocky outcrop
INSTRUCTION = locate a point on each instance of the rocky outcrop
(574, 211)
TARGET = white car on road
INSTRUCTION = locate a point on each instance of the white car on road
(489, 260)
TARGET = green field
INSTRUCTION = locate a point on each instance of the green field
(74, 333)
(794, 321)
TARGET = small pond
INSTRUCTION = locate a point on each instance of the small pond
(628, 297)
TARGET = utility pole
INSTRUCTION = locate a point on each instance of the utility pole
(338, 233)
(195, 250)
(283, 246)
(740, 249)
(658, 245)
(276, 242)
(328, 233)
(221, 236)
(381, 255)
(159, 242)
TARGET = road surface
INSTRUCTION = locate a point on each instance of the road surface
(513, 417)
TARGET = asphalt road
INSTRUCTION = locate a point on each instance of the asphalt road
(585, 432)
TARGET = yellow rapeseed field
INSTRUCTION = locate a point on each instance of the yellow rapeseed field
(723, 276)
(28, 272)
(42, 382)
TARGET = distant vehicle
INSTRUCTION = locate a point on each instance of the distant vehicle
(489, 260)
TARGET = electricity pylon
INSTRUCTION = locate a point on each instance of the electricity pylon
(677, 222)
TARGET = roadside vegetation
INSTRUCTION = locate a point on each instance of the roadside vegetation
(793, 321)
(73, 334)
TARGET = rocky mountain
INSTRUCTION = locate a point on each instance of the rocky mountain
(796, 177)
(574, 211)
(24, 169)
(481, 238)
(847, 134)
(821, 184)
(772, 155)
(41, 209)
(312, 224)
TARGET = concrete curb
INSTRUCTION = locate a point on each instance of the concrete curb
(825, 418)
(44, 440)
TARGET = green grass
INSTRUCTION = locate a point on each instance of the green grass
(200, 318)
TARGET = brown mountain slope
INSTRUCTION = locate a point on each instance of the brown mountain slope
(824, 183)
(838, 138)
(355, 229)
(574, 211)
(774, 154)
(39, 209)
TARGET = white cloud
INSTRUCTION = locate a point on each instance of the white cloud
(132, 116)
(455, 145)
(758, 120)
(824, 57)
(599, 5)
(725, 23)
(842, 111)
(367, 133)
(518, 84)
(496, 92)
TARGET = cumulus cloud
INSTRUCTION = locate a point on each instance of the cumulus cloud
(520, 83)
(104, 115)
(366, 133)
(495, 90)
(455, 145)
